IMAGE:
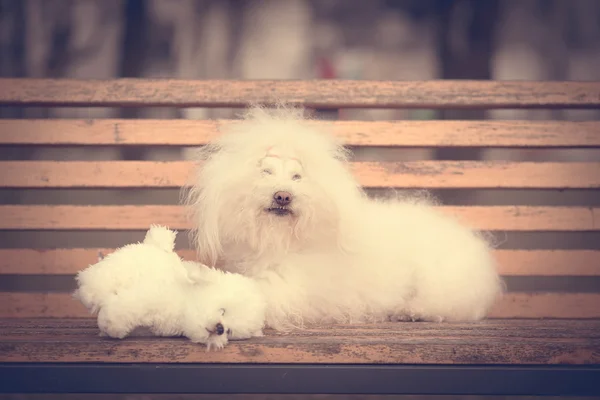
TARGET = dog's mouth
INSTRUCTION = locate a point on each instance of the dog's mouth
(279, 211)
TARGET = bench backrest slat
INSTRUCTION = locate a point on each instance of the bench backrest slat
(514, 305)
(511, 262)
(315, 93)
(413, 174)
(128, 217)
(489, 134)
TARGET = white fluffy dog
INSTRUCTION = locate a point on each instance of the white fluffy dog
(274, 198)
(147, 285)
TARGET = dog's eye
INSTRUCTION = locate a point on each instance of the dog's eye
(267, 171)
(296, 177)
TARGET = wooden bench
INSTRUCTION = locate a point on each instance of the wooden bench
(538, 341)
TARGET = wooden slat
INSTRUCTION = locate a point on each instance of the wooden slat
(511, 262)
(56, 261)
(513, 305)
(548, 262)
(487, 342)
(122, 132)
(413, 174)
(511, 218)
(313, 93)
(487, 328)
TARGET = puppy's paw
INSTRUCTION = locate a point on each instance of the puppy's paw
(214, 338)
(406, 316)
(216, 342)
(111, 325)
(199, 337)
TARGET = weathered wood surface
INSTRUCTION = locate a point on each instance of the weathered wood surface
(414, 174)
(120, 132)
(313, 93)
(63, 217)
(486, 342)
(512, 305)
(510, 262)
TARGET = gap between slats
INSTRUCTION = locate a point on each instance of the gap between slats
(492, 218)
(329, 93)
(512, 305)
(119, 132)
(415, 174)
(510, 262)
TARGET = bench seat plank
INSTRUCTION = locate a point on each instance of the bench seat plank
(182, 132)
(489, 342)
(331, 93)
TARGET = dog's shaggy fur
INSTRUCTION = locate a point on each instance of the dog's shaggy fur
(331, 254)
(147, 285)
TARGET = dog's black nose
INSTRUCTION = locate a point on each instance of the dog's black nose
(219, 328)
(282, 198)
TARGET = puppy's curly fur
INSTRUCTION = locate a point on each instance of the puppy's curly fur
(332, 254)
(147, 285)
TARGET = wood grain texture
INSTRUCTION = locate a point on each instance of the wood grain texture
(412, 175)
(121, 132)
(513, 305)
(496, 328)
(548, 262)
(487, 342)
(511, 262)
(509, 218)
(57, 261)
(312, 93)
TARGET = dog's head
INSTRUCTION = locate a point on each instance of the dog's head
(271, 182)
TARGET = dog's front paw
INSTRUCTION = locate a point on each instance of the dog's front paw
(258, 333)
(404, 318)
(416, 317)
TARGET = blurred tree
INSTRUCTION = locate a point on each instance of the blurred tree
(466, 42)
(12, 46)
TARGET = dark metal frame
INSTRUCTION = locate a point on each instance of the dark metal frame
(300, 379)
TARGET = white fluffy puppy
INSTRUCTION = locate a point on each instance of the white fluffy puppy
(147, 285)
(274, 198)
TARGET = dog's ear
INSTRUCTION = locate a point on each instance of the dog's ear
(203, 212)
(201, 197)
